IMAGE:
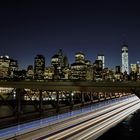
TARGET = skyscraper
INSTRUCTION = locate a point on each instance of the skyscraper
(60, 60)
(125, 65)
(39, 67)
(102, 58)
(80, 57)
(30, 72)
(7, 66)
(60, 63)
(78, 69)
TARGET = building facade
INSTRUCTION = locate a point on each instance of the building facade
(49, 72)
(7, 67)
(30, 72)
(60, 62)
(125, 63)
(102, 58)
(79, 67)
(39, 67)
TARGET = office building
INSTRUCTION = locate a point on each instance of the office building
(125, 64)
(30, 72)
(39, 67)
(78, 68)
(102, 58)
(60, 62)
(7, 67)
(80, 57)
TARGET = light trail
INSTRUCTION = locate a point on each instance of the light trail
(97, 130)
(86, 124)
(53, 124)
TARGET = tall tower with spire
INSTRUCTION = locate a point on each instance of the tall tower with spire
(125, 63)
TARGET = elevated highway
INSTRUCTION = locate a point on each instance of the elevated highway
(89, 123)
(28, 100)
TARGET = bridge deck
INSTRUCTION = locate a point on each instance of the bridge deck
(31, 126)
(90, 111)
(74, 86)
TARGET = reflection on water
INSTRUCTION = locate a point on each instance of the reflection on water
(129, 129)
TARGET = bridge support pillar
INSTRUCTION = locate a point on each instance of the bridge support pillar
(57, 101)
(40, 103)
(18, 104)
(91, 97)
(71, 100)
(99, 96)
(110, 94)
(82, 98)
(105, 95)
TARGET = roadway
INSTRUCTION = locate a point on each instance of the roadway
(68, 123)
(98, 124)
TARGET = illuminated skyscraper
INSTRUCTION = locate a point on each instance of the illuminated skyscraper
(7, 66)
(39, 67)
(102, 58)
(80, 57)
(60, 63)
(78, 69)
(125, 65)
(30, 72)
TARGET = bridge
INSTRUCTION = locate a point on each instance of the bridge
(53, 98)
(75, 85)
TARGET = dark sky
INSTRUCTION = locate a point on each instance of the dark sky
(28, 28)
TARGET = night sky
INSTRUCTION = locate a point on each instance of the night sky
(28, 28)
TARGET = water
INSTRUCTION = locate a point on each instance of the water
(129, 129)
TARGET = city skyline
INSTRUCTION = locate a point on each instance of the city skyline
(93, 27)
(101, 57)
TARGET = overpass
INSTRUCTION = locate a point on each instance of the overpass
(86, 123)
(50, 98)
